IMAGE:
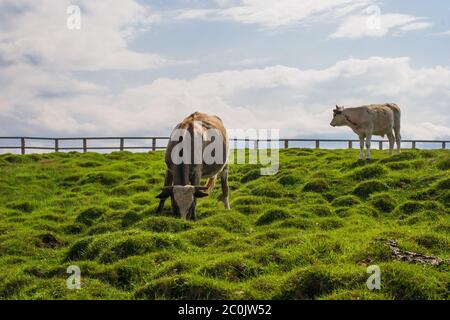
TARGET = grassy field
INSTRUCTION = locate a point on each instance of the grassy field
(308, 232)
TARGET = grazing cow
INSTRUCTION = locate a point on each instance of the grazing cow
(182, 182)
(374, 119)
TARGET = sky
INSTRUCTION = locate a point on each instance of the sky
(138, 67)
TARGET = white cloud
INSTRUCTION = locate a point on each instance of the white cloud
(445, 33)
(359, 26)
(275, 13)
(416, 26)
(297, 101)
(39, 58)
(251, 62)
(271, 14)
(35, 32)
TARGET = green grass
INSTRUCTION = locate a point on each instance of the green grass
(308, 232)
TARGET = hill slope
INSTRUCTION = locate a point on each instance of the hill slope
(308, 232)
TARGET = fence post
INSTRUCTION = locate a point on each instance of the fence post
(256, 144)
(286, 144)
(122, 143)
(56, 145)
(22, 145)
(84, 145)
(444, 145)
(350, 144)
(154, 144)
(317, 144)
(414, 145)
(381, 145)
(246, 144)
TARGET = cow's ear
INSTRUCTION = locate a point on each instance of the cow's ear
(167, 192)
(200, 194)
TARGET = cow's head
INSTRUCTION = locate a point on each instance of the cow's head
(183, 199)
(338, 117)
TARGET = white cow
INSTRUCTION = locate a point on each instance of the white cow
(374, 119)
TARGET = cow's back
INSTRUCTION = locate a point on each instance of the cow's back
(199, 123)
(377, 118)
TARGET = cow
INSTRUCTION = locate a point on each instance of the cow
(183, 178)
(369, 120)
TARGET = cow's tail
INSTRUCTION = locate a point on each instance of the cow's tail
(397, 122)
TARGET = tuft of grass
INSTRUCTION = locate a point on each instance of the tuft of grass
(89, 215)
(369, 172)
(383, 202)
(404, 156)
(118, 204)
(23, 206)
(346, 201)
(299, 223)
(445, 198)
(104, 178)
(164, 224)
(206, 236)
(443, 184)
(331, 224)
(251, 175)
(316, 281)
(229, 221)
(79, 249)
(112, 247)
(14, 159)
(273, 215)
(291, 178)
(432, 242)
(48, 240)
(320, 210)
(234, 268)
(444, 164)
(411, 207)
(365, 189)
(130, 218)
(184, 287)
(271, 190)
(413, 282)
(316, 185)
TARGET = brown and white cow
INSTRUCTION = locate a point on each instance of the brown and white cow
(374, 119)
(201, 132)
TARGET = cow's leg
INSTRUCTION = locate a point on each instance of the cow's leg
(210, 184)
(361, 147)
(391, 142)
(398, 140)
(225, 188)
(368, 144)
(195, 181)
(167, 183)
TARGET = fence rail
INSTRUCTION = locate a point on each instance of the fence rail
(282, 143)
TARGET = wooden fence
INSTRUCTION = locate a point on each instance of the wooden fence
(121, 143)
